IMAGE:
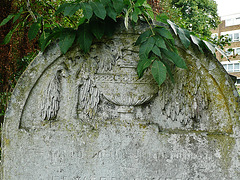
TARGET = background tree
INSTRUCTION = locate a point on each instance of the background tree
(199, 16)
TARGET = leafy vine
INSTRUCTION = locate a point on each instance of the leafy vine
(156, 44)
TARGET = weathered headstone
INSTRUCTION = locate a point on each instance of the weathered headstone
(88, 116)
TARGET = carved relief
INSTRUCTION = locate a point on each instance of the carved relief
(88, 98)
(109, 69)
(50, 105)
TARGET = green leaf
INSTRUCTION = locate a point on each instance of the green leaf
(160, 42)
(66, 39)
(71, 9)
(159, 72)
(106, 2)
(139, 3)
(168, 67)
(210, 46)
(61, 8)
(33, 30)
(148, 10)
(197, 42)
(98, 9)
(8, 37)
(185, 41)
(16, 17)
(171, 45)
(162, 18)
(87, 10)
(156, 51)
(163, 32)
(55, 33)
(143, 37)
(175, 58)
(118, 5)
(97, 29)
(5, 21)
(143, 64)
(173, 26)
(146, 47)
(81, 21)
(111, 13)
(84, 38)
(135, 14)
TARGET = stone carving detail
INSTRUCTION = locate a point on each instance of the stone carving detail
(88, 98)
(50, 104)
(187, 101)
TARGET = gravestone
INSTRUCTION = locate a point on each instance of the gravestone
(89, 117)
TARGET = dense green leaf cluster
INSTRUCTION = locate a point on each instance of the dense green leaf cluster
(157, 49)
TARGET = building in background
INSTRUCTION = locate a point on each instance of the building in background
(230, 26)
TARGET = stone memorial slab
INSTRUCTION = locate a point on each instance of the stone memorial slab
(89, 117)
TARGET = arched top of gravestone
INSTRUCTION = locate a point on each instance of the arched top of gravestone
(103, 84)
(89, 116)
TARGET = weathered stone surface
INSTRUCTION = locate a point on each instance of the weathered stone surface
(87, 116)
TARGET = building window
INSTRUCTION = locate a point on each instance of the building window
(229, 22)
(233, 36)
(236, 67)
(236, 37)
(233, 51)
(232, 21)
(232, 66)
(238, 82)
(237, 51)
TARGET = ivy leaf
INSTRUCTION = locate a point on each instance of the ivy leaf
(66, 39)
(5, 21)
(185, 41)
(146, 47)
(156, 51)
(84, 38)
(33, 30)
(98, 9)
(87, 10)
(97, 29)
(143, 64)
(159, 72)
(118, 5)
(160, 42)
(143, 37)
(163, 32)
(71, 9)
(111, 13)
(175, 58)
